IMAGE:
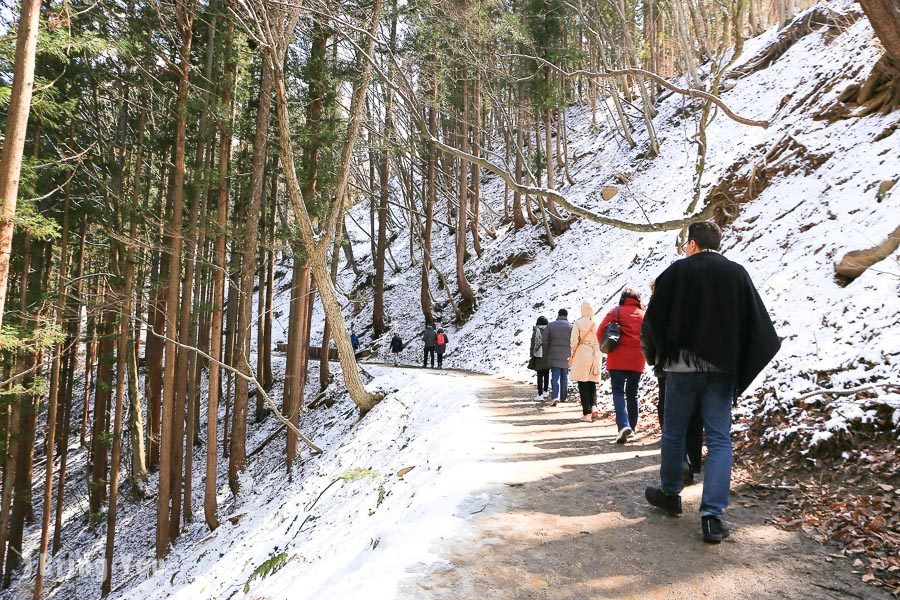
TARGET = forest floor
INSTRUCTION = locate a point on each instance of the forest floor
(565, 517)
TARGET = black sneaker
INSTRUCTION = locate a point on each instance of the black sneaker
(713, 530)
(659, 499)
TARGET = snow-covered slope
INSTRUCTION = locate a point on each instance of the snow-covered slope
(347, 520)
(815, 191)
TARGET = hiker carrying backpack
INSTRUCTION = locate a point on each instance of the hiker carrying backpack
(441, 347)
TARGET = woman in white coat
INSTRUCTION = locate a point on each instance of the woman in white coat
(585, 361)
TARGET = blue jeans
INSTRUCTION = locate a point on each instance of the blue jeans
(559, 382)
(713, 393)
(625, 386)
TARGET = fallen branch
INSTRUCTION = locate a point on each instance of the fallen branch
(869, 387)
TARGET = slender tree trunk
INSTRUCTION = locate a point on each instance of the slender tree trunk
(218, 288)
(69, 378)
(122, 353)
(293, 378)
(14, 137)
(52, 409)
(465, 290)
(476, 170)
(184, 12)
(237, 460)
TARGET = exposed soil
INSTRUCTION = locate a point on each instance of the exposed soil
(565, 517)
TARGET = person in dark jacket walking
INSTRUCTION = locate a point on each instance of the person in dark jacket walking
(396, 346)
(693, 441)
(429, 336)
(625, 362)
(559, 334)
(440, 344)
(540, 357)
(714, 337)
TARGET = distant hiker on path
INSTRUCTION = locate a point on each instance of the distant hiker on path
(714, 337)
(586, 361)
(354, 341)
(440, 344)
(429, 336)
(396, 346)
(625, 363)
(693, 441)
(559, 334)
(540, 357)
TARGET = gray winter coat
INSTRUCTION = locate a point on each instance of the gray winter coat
(430, 337)
(559, 333)
(541, 362)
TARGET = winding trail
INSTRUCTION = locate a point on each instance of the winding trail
(565, 518)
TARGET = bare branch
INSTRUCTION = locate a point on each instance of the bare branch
(609, 74)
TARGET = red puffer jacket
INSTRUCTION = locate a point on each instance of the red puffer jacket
(627, 356)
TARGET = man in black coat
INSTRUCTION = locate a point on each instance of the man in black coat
(429, 336)
(713, 336)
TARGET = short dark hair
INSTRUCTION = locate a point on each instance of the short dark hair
(562, 313)
(629, 293)
(705, 234)
(542, 320)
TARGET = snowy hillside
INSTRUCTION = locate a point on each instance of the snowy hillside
(816, 198)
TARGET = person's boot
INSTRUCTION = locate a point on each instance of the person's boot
(656, 497)
(713, 529)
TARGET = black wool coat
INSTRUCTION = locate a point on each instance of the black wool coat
(707, 305)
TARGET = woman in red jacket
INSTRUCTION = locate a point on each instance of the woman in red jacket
(626, 363)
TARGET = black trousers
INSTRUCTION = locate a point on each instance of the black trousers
(440, 356)
(427, 352)
(543, 381)
(693, 441)
(587, 390)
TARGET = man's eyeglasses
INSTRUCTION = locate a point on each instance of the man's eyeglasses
(683, 246)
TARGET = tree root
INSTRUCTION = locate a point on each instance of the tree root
(880, 92)
(855, 263)
(818, 17)
(741, 184)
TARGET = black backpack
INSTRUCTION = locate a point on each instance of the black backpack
(611, 335)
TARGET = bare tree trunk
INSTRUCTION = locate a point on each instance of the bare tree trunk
(476, 171)
(185, 17)
(325, 354)
(465, 290)
(316, 250)
(121, 357)
(74, 328)
(99, 457)
(14, 137)
(218, 289)
(884, 15)
(52, 409)
(430, 199)
(293, 377)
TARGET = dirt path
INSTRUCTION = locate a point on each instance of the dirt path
(566, 518)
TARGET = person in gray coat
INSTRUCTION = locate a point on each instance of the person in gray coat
(540, 357)
(559, 334)
(429, 336)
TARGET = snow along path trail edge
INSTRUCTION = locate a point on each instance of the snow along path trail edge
(564, 517)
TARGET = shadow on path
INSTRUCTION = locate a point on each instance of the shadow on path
(565, 518)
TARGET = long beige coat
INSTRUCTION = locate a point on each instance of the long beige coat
(586, 361)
